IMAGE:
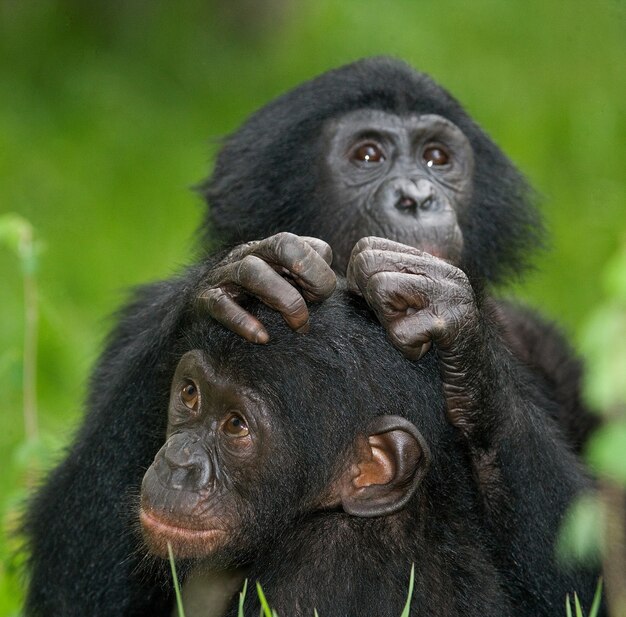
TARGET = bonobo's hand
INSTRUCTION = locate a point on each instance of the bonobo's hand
(282, 271)
(421, 299)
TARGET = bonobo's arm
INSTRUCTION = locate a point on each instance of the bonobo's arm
(540, 345)
(80, 525)
(86, 557)
(421, 299)
(525, 472)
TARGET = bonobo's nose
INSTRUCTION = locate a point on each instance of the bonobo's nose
(188, 466)
(412, 194)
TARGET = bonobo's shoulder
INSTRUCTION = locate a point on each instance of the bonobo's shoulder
(513, 315)
(534, 338)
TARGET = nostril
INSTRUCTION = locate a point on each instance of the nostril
(406, 203)
(426, 204)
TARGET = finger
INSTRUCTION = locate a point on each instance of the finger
(373, 261)
(258, 278)
(320, 247)
(299, 260)
(413, 334)
(224, 309)
(402, 304)
(362, 245)
(383, 244)
(370, 243)
(394, 294)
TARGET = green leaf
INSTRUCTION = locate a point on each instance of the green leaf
(17, 234)
(614, 278)
(13, 230)
(580, 536)
(605, 452)
(568, 607)
(603, 344)
(407, 606)
(179, 599)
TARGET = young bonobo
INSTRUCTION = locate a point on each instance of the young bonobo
(368, 151)
(324, 464)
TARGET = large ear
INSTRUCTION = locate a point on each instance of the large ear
(391, 460)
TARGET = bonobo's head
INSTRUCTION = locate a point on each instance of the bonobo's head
(375, 148)
(260, 436)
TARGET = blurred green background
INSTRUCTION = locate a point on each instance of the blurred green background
(111, 111)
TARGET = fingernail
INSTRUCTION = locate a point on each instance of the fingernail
(261, 338)
(424, 349)
(304, 329)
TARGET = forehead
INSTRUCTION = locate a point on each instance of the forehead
(363, 120)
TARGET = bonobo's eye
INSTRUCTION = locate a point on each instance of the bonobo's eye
(368, 152)
(435, 156)
(235, 426)
(189, 395)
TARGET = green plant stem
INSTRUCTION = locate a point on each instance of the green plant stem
(29, 385)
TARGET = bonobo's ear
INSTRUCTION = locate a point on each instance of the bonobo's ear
(391, 460)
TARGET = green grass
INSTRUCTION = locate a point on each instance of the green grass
(578, 611)
(266, 611)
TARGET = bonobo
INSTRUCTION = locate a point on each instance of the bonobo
(325, 465)
(370, 149)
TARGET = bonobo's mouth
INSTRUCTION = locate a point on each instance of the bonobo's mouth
(186, 543)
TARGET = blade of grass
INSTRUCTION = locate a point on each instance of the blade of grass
(407, 606)
(266, 610)
(179, 599)
(242, 598)
(597, 598)
(568, 606)
(579, 610)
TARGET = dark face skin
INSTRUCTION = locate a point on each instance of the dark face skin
(402, 178)
(217, 438)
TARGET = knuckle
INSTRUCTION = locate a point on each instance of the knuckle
(402, 337)
(241, 321)
(328, 284)
(290, 250)
(216, 300)
(381, 282)
(285, 236)
(363, 261)
(293, 306)
(360, 245)
(440, 326)
(284, 240)
(248, 268)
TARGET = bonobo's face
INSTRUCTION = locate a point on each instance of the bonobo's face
(403, 178)
(217, 438)
(240, 464)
